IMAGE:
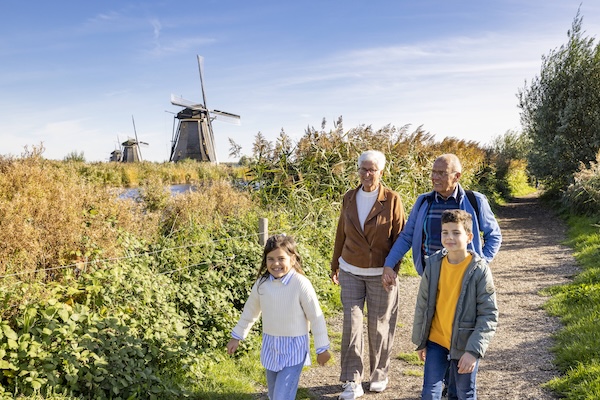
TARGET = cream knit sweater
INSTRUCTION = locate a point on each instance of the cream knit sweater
(287, 310)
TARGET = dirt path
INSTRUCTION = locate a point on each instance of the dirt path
(518, 360)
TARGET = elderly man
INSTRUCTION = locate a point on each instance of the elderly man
(423, 228)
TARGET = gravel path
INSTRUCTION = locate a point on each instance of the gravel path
(518, 360)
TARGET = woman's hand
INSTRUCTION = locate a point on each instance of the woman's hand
(388, 278)
(335, 277)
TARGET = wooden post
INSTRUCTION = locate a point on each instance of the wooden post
(263, 231)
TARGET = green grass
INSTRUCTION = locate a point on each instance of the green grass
(413, 372)
(410, 358)
(577, 344)
(235, 378)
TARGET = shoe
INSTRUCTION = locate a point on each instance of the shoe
(352, 390)
(378, 386)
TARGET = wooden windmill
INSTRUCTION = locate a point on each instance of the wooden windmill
(131, 148)
(116, 155)
(193, 138)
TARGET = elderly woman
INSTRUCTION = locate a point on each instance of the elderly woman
(371, 219)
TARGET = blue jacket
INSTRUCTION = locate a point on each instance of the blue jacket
(411, 236)
(476, 316)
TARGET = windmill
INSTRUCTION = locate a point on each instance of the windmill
(194, 136)
(116, 155)
(131, 147)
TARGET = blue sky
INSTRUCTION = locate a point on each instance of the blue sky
(73, 73)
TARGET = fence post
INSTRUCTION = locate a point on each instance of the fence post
(263, 231)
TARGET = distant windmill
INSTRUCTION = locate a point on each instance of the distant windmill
(194, 136)
(116, 155)
(131, 147)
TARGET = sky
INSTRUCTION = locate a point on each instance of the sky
(73, 74)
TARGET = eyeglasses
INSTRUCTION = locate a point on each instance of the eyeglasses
(364, 171)
(440, 174)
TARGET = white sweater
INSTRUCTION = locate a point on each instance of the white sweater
(287, 310)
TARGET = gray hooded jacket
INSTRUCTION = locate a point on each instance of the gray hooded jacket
(476, 314)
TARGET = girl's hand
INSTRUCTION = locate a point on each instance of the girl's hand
(232, 346)
(323, 357)
(422, 354)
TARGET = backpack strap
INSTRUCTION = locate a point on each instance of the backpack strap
(473, 201)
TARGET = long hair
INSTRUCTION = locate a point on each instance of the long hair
(281, 241)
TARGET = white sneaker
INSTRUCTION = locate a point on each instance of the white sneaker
(352, 390)
(378, 386)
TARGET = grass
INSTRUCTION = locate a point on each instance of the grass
(577, 345)
(410, 358)
(232, 378)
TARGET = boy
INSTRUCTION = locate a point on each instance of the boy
(456, 313)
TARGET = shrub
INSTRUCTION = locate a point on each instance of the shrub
(583, 196)
(50, 218)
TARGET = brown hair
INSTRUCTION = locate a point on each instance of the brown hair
(281, 241)
(459, 217)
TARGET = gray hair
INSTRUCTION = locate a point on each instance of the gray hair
(375, 156)
(452, 160)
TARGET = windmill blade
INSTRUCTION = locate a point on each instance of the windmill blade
(180, 101)
(201, 71)
(136, 138)
(226, 117)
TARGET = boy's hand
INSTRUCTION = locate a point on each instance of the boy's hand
(422, 354)
(232, 346)
(466, 364)
(323, 357)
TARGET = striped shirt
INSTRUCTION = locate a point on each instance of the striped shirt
(432, 229)
(278, 352)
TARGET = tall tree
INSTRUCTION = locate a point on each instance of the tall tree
(561, 109)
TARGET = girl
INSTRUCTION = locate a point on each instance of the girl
(289, 308)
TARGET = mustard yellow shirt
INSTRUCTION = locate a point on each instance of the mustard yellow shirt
(451, 277)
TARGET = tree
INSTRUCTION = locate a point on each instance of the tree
(75, 156)
(561, 109)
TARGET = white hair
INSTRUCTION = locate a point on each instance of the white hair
(452, 161)
(375, 156)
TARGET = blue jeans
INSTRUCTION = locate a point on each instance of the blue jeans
(460, 386)
(283, 384)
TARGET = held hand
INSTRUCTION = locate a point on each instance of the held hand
(323, 357)
(388, 278)
(335, 277)
(232, 346)
(422, 353)
(466, 364)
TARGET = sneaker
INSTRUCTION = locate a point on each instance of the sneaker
(378, 386)
(352, 390)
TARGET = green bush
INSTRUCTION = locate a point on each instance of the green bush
(583, 196)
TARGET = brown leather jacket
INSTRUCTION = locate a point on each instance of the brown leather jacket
(368, 249)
